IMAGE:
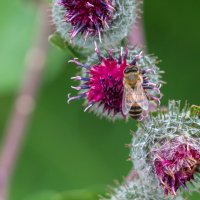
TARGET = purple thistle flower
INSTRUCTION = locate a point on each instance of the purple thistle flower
(175, 164)
(102, 82)
(88, 17)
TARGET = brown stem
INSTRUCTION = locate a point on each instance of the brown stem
(25, 101)
(136, 36)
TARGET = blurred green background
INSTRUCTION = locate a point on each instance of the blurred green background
(65, 148)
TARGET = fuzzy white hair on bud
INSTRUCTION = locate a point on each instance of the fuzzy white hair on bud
(138, 189)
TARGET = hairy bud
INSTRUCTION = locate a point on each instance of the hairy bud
(83, 21)
(102, 80)
(138, 189)
(167, 149)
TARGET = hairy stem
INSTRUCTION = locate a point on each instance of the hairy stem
(25, 100)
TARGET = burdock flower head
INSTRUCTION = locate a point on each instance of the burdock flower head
(88, 17)
(176, 162)
(169, 150)
(102, 80)
(82, 21)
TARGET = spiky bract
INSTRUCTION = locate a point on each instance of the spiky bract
(167, 148)
(138, 189)
(110, 20)
(102, 80)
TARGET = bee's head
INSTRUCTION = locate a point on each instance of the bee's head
(131, 69)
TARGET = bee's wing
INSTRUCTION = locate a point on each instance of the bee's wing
(140, 97)
(128, 99)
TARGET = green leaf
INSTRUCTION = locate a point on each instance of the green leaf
(56, 41)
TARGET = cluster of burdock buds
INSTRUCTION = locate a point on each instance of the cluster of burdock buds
(117, 82)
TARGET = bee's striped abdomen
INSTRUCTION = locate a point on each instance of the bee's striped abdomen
(135, 112)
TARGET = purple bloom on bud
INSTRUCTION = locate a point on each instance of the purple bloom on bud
(102, 81)
(175, 164)
(88, 17)
(166, 150)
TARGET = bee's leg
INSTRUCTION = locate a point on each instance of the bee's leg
(151, 87)
(144, 115)
(149, 84)
(151, 97)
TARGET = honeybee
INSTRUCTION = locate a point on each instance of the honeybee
(134, 100)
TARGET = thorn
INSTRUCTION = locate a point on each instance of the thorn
(126, 53)
(75, 33)
(99, 35)
(78, 78)
(120, 57)
(89, 106)
(89, 4)
(76, 88)
(139, 56)
(86, 35)
(97, 51)
(75, 97)
(78, 63)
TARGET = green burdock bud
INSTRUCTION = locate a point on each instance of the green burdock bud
(83, 21)
(167, 149)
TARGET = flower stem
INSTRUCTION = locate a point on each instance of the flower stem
(137, 37)
(25, 100)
